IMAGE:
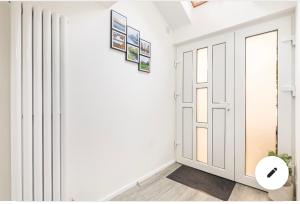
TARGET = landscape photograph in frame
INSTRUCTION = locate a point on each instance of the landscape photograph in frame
(145, 48)
(133, 36)
(132, 53)
(118, 22)
(144, 64)
(118, 41)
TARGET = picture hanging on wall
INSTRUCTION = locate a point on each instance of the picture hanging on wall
(127, 39)
(133, 36)
(132, 53)
(144, 64)
(118, 22)
(145, 48)
(118, 41)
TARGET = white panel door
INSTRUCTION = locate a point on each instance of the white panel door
(205, 101)
(264, 84)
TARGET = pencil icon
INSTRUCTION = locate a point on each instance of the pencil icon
(271, 172)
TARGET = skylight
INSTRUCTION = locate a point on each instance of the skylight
(197, 3)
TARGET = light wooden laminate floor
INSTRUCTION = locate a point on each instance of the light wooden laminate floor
(160, 188)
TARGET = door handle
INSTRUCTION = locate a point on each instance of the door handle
(288, 88)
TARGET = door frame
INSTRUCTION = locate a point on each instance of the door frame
(283, 24)
(284, 27)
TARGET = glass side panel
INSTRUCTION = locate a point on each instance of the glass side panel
(202, 105)
(202, 65)
(202, 145)
(261, 98)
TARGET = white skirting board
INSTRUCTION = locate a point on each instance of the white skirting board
(135, 182)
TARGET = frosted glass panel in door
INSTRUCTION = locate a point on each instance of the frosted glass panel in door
(202, 145)
(202, 105)
(261, 97)
(202, 65)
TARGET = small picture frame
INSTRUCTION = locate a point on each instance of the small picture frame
(133, 36)
(132, 53)
(144, 64)
(118, 22)
(118, 41)
(145, 48)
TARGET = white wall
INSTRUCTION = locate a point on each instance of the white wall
(4, 101)
(215, 16)
(118, 122)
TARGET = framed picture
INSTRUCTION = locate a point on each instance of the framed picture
(118, 22)
(132, 53)
(145, 48)
(144, 64)
(118, 41)
(133, 36)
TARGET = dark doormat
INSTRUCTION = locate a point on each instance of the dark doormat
(214, 185)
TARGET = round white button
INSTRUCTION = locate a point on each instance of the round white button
(271, 173)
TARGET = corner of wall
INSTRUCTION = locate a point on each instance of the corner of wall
(297, 103)
(137, 181)
(5, 160)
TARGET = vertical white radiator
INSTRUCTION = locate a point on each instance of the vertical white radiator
(27, 116)
(37, 60)
(38, 104)
(56, 105)
(47, 105)
(16, 103)
(63, 65)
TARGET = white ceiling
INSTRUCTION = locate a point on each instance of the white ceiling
(188, 22)
(176, 13)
